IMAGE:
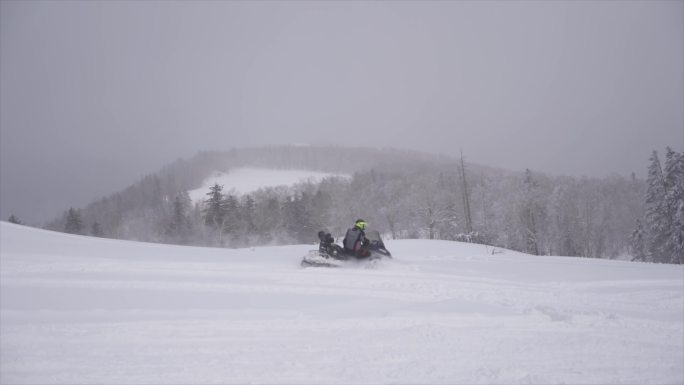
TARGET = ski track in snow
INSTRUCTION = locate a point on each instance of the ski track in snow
(85, 310)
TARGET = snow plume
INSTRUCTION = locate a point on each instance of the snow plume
(76, 309)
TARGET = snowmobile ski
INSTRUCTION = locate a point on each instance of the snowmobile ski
(318, 259)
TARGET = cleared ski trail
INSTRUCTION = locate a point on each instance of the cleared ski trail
(85, 310)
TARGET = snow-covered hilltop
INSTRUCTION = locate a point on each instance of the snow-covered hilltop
(86, 310)
(245, 180)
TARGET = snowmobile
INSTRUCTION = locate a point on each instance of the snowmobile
(330, 254)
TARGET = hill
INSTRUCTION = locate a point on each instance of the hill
(78, 309)
(403, 194)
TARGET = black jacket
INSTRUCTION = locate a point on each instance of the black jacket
(354, 239)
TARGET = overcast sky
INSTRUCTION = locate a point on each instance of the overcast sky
(96, 94)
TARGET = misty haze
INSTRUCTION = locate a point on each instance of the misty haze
(95, 96)
(462, 192)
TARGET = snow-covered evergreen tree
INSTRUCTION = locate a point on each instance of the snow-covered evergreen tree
(74, 223)
(232, 220)
(215, 212)
(247, 218)
(638, 243)
(179, 227)
(214, 207)
(14, 219)
(268, 220)
(96, 230)
(297, 218)
(676, 241)
(664, 218)
(673, 248)
(657, 216)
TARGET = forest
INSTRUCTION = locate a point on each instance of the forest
(402, 194)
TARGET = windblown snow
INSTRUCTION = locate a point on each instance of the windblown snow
(85, 310)
(245, 180)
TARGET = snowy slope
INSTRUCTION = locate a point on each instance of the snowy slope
(85, 310)
(245, 180)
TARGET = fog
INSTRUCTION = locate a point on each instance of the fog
(93, 95)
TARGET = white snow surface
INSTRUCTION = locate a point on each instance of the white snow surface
(85, 310)
(244, 180)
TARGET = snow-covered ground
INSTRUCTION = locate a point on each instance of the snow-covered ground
(86, 310)
(245, 180)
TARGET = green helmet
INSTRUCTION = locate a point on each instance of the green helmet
(360, 223)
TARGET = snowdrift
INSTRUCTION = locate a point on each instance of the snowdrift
(85, 310)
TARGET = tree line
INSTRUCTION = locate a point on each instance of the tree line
(423, 198)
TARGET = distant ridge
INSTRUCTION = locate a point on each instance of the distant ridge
(406, 194)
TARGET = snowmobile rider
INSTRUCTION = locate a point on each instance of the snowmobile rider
(355, 241)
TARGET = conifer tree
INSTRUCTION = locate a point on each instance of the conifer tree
(247, 216)
(657, 222)
(269, 215)
(179, 228)
(298, 219)
(231, 216)
(673, 248)
(675, 243)
(74, 224)
(321, 203)
(638, 243)
(96, 230)
(214, 207)
(14, 219)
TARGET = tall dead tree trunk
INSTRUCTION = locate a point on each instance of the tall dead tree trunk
(466, 199)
